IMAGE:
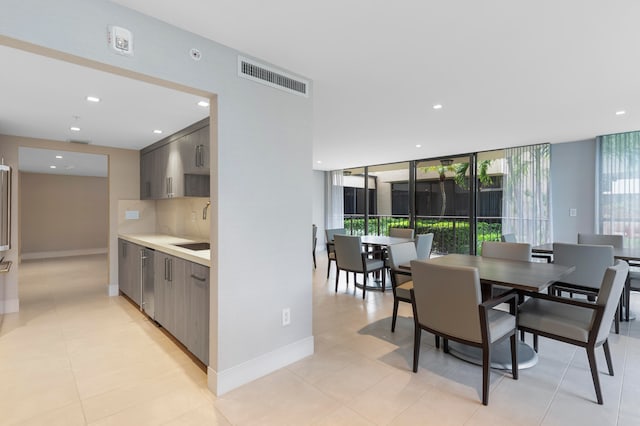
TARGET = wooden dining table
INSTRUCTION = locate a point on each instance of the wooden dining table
(521, 276)
(628, 254)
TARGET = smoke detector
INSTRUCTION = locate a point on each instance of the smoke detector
(195, 54)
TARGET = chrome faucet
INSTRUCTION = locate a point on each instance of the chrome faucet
(204, 210)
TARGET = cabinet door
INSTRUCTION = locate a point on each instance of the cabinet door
(170, 294)
(159, 278)
(194, 151)
(179, 291)
(174, 173)
(123, 267)
(198, 312)
(135, 272)
(147, 176)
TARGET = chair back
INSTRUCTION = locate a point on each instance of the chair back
(401, 232)
(348, 252)
(400, 254)
(509, 251)
(617, 241)
(423, 245)
(446, 299)
(509, 238)
(590, 261)
(329, 236)
(314, 236)
(609, 295)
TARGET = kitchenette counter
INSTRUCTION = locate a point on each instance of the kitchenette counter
(166, 244)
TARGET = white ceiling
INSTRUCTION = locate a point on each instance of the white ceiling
(506, 72)
(36, 160)
(45, 105)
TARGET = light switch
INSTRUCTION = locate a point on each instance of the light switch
(573, 212)
(132, 214)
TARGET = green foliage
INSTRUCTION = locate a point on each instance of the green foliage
(450, 236)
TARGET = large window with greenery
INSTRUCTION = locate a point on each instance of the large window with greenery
(619, 186)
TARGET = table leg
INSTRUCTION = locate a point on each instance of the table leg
(500, 354)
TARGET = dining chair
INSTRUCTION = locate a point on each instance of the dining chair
(508, 251)
(447, 302)
(401, 282)
(590, 262)
(509, 238)
(331, 254)
(401, 232)
(351, 258)
(314, 241)
(614, 240)
(579, 323)
(424, 242)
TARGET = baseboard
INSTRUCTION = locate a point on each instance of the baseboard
(220, 382)
(114, 290)
(9, 306)
(62, 253)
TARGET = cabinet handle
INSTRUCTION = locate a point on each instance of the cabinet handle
(197, 155)
(166, 269)
(195, 277)
(171, 270)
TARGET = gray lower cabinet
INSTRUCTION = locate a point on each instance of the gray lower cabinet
(129, 270)
(170, 292)
(180, 296)
(198, 312)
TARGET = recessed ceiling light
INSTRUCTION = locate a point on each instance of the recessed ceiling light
(74, 129)
(52, 167)
(621, 112)
(58, 156)
(437, 106)
(203, 104)
(418, 146)
(93, 99)
(157, 132)
(319, 162)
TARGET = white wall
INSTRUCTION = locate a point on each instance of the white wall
(573, 176)
(318, 207)
(263, 154)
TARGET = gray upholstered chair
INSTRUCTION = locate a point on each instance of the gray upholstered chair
(506, 250)
(579, 323)
(314, 241)
(331, 254)
(401, 232)
(590, 261)
(447, 302)
(400, 279)
(423, 245)
(616, 241)
(509, 238)
(351, 258)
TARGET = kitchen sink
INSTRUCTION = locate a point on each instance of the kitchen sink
(194, 246)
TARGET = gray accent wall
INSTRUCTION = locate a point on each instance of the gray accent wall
(573, 177)
(260, 157)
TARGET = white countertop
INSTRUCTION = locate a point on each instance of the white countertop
(164, 243)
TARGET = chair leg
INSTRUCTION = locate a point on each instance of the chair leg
(337, 277)
(314, 260)
(437, 342)
(535, 342)
(445, 345)
(417, 334)
(328, 268)
(365, 281)
(395, 314)
(607, 355)
(591, 354)
(522, 335)
(514, 356)
(627, 298)
(486, 362)
(617, 317)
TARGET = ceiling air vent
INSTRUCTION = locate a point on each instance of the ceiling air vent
(265, 75)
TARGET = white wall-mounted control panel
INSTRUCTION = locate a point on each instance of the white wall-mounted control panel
(120, 39)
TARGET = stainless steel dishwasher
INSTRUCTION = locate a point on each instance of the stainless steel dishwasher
(146, 279)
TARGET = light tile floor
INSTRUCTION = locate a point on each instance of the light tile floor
(74, 356)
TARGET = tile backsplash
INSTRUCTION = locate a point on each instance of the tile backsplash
(177, 216)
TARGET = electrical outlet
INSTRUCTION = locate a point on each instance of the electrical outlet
(286, 317)
(573, 212)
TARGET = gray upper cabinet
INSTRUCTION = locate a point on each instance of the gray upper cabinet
(177, 166)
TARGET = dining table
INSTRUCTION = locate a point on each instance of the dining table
(628, 254)
(378, 244)
(522, 276)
